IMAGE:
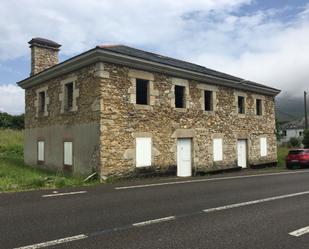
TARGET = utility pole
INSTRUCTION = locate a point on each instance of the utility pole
(306, 115)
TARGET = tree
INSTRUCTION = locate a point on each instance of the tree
(294, 142)
(306, 139)
(8, 121)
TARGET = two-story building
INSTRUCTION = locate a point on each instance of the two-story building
(117, 110)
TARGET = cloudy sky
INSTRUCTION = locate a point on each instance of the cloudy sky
(261, 40)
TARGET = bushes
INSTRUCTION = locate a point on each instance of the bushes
(8, 121)
(294, 142)
(306, 139)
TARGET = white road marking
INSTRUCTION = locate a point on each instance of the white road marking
(247, 203)
(148, 222)
(67, 193)
(207, 180)
(300, 232)
(54, 242)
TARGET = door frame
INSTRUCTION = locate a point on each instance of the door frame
(247, 154)
(191, 154)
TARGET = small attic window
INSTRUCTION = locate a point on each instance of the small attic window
(179, 96)
(142, 92)
(241, 104)
(208, 101)
(69, 95)
(258, 107)
(42, 101)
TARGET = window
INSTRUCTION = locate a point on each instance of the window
(42, 102)
(263, 146)
(258, 103)
(179, 96)
(217, 149)
(143, 151)
(41, 151)
(208, 100)
(68, 153)
(241, 104)
(69, 95)
(300, 133)
(284, 133)
(142, 92)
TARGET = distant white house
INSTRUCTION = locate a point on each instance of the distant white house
(292, 129)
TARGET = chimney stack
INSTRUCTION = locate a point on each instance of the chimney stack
(44, 54)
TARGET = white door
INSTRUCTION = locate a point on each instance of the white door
(242, 153)
(184, 157)
(143, 151)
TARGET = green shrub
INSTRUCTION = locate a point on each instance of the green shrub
(60, 182)
(294, 142)
(306, 139)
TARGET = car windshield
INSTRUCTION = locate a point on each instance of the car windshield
(295, 152)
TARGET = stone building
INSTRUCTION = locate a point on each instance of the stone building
(118, 110)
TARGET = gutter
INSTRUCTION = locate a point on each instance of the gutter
(100, 55)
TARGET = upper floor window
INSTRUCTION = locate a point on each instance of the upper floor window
(258, 107)
(69, 95)
(208, 100)
(142, 92)
(241, 104)
(179, 96)
(42, 102)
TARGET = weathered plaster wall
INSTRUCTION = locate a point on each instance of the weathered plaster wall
(81, 124)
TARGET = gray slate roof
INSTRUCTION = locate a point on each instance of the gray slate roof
(125, 50)
(295, 124)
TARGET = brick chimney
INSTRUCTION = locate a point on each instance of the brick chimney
(44, 54)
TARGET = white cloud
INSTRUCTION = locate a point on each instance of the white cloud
(263, 46)
(12, 99)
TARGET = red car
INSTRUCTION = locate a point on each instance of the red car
(298, 158)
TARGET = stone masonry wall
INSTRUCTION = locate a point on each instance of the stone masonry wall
(43, 58)
(122, 121)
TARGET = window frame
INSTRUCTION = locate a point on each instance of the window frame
(258, 107)
(263, 149)
(139, 81)
(149, 159)
(40, 140)
(183, 97)
(243, 108)
(217, 157)
(211, 103)
(68, 167)
(67, 99)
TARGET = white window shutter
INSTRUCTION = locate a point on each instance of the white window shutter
(143, 152)
(41, 148)
(68, 153)
(217, 149)
(263, 146)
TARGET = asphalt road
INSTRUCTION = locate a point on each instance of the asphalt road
(219, 212)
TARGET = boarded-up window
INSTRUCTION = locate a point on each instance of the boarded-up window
(68, 153)
(217, 149)
(69, 95)
(263, 146)
(241, 104)
(258, 107)
(143, 152)
(42, 102)
(180, 96)
(142, 92)
(41, 151)
(208, 100)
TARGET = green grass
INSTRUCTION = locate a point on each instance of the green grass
(282, 153)
(16, 176)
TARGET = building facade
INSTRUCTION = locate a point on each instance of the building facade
(117, 110)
